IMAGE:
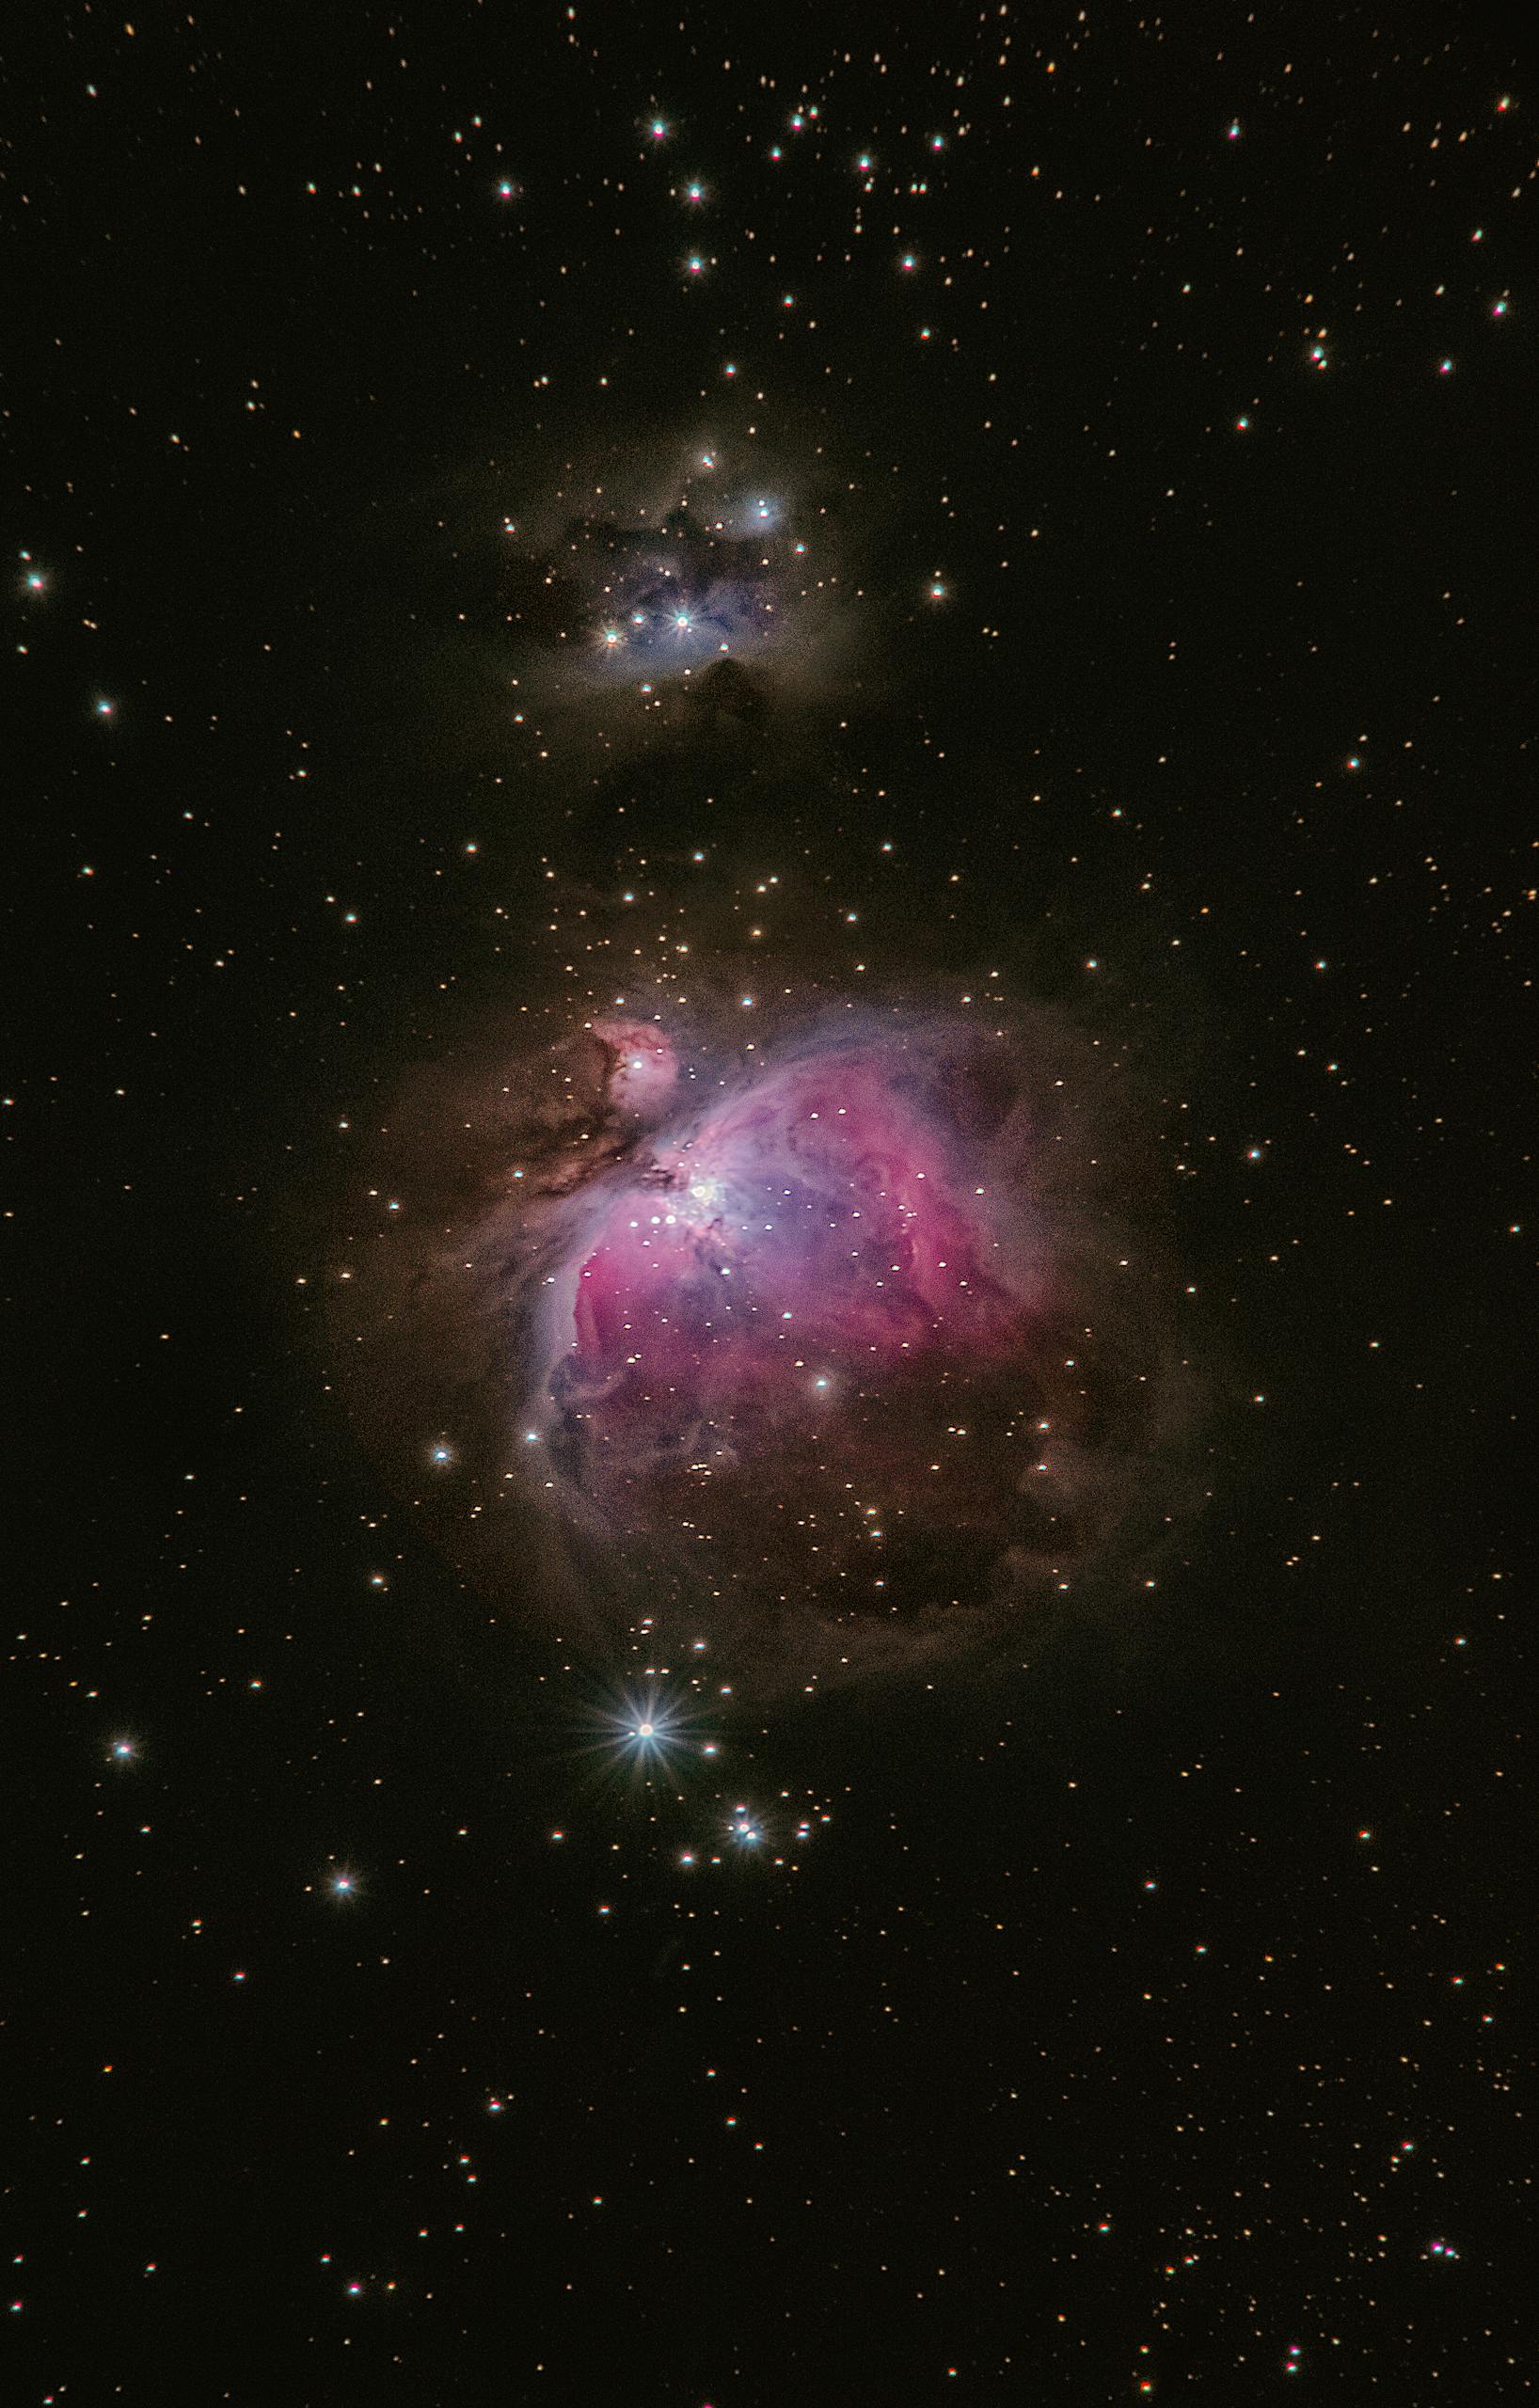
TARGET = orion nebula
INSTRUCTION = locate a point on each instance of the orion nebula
(839, 1349)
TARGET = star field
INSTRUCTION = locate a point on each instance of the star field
(769, 1113)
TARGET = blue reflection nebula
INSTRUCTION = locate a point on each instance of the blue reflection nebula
(680, 595)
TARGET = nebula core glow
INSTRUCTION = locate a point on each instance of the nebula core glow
(833, 1351)
(798, 1272)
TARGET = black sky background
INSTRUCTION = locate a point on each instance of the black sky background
(1150, 2017)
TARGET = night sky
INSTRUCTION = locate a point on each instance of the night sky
(770, 1097)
